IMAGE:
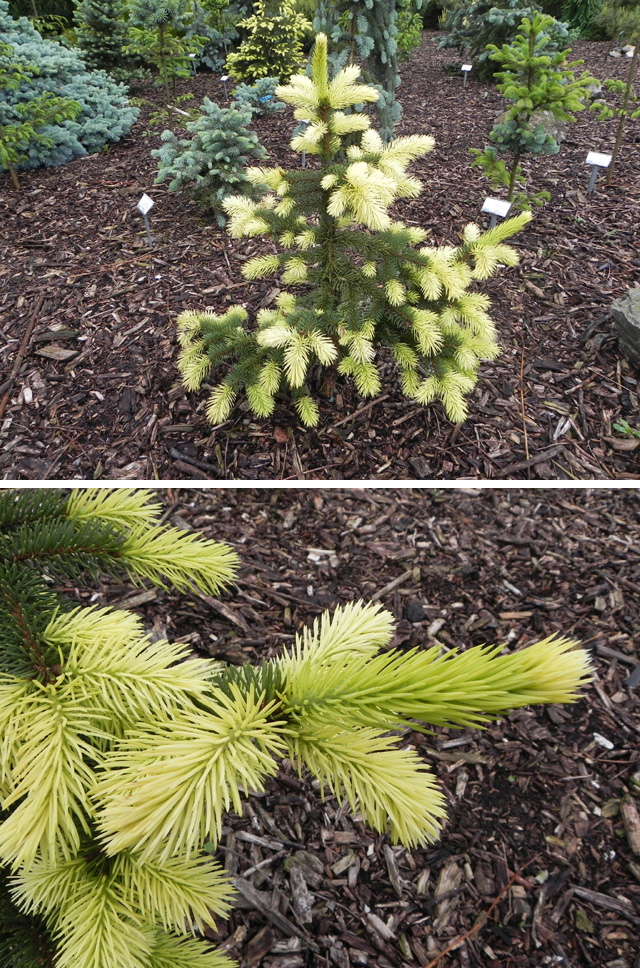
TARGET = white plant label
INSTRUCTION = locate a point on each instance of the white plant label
(596, 158)
(224, 78)
(466, 67)
(496, 206)
(145, 204)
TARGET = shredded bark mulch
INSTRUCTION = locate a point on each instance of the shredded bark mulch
(538, 863)
(98, 394)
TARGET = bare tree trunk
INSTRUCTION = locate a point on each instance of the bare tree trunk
(633, 66)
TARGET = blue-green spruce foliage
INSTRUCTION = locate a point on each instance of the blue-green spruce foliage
(367, 29)
(219, 37)
(211, 164)
(105, 115)
(474, 24)
(260, 98)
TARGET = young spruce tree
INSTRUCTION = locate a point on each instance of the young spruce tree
(542, 86)
(119, 755)
(102, 33)
(158, 31)
(273, 46)
(367, 281)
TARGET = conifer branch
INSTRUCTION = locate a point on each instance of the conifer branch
(119, 756)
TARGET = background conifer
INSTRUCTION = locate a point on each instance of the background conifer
(368, 29)
(118, 757)
(541, 84)
(56, 71)
(273, 46)
(102, 33)
(158, 31)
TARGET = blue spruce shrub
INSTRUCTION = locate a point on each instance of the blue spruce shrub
(215, 51)
(259, 98)
(105, 114)
(211, 165)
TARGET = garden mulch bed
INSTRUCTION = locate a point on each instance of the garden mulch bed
(534, 864)
(109, 403)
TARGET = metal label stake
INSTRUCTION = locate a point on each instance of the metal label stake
(597, 161)
(224, 79)
(144, 206)
(496, 208)
(465, 70)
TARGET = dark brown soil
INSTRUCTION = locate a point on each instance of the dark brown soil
(114, 408)
(534, 853)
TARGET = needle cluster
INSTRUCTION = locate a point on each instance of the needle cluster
(120, 754)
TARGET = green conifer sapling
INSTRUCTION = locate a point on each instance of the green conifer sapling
(628, 106)
(102, 33)
(120, 754)
(366, 280)
(158, 35)
(35, 114)
(476, 26)
(541, 85)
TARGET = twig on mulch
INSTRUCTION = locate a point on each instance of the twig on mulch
(200, 464)
(608, 903)
(358, 413)
(255, 898)
(631, 822)
(22, 352)
(523, 465)
(484, 917)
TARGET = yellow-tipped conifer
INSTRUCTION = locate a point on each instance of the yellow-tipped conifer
(354, 265)
(120, 755)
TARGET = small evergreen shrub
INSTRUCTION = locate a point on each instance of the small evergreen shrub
(538, 81)
(104, 116)
(102, 33)
(259, 98)
(40, 112)
(473, 25)
(211, 164)
(409, 28)
(617, 20)
(121, 754)
(158, 36)
(626, 108)
(212, 23)
(367, 281)
(273, 47)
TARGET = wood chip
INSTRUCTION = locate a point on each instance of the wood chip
(625, 908)
(300, 896)
(258, 900)
(631, 822)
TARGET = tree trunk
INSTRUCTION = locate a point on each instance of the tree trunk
(633, 66)
(13, 176)
(512, 177)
